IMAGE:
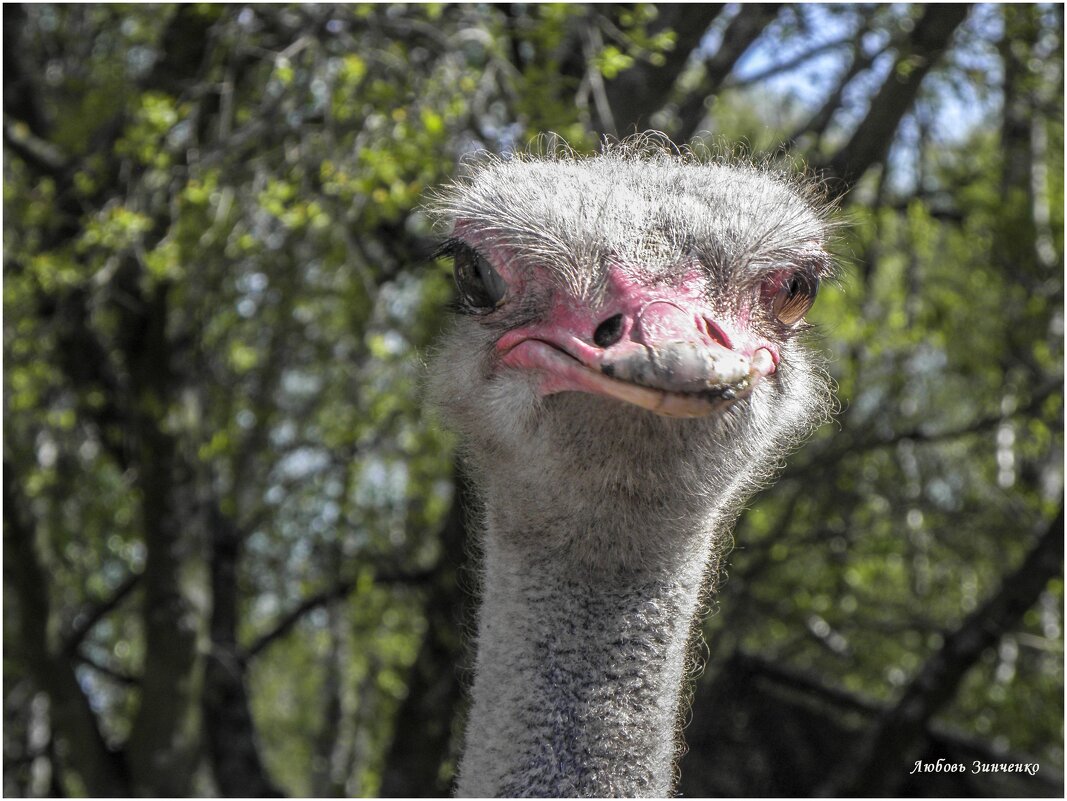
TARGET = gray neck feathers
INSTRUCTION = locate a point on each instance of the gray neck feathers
(593, 573)
(579, 672)
(600, 523)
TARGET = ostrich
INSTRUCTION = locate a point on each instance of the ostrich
(625, 370)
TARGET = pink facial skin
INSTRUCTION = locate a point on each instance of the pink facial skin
(659, 347)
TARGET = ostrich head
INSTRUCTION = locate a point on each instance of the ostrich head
(629, 343)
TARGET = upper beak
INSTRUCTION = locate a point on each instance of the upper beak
(667, 356)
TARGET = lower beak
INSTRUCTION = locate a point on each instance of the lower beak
(677, 379)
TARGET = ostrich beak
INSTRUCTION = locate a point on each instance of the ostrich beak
(666, 355)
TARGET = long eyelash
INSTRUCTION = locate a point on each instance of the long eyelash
(448, 249)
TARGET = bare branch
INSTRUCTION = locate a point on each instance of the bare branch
(335, 593)
(871, 140)
(787, 65)
(900, 730)
(831, 457)
(44, 157)
(635, 94)
(112, 673)
(89, 618)
(740, 34)
(817, 124)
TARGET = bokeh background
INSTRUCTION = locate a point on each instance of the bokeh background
(234, 539)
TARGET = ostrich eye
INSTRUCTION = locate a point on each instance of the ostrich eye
(795, 297)
(480, 286)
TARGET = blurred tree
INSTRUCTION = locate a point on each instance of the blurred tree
(233, 549)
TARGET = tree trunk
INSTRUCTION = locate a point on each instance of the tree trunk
(328, 747)
(424, 724)
(228, 725)
(164, 745)
(98, 770)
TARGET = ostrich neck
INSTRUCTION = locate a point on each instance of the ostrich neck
(580, 668)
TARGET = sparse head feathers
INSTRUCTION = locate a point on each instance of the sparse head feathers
(638, 202)
(611, 469)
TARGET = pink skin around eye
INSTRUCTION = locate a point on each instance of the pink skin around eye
(658, 346)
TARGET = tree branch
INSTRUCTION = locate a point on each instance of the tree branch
(785, 66)
(230, 731)
(742, 32)
(43, 157)
(817, 124)
(922, 433)
(871, 140)
(335, 593)
(117, 676)
(423, 733)
(86, 619)
(100, 769)
(900, 731)
(22, 99)
(635, 94)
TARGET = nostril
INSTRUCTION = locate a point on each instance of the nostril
(608, 332)
(717, 334)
